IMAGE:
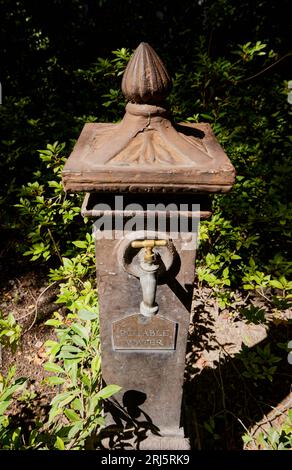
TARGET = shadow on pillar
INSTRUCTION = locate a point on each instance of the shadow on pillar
(131, 425)
(184, 294)
(220, 401)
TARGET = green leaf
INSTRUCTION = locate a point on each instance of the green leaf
(59, 444)
(80, 244)
(108, 391)
(63, 399)
(246, 438)
(52, 322)
(86, 315)
(71, 415)
(3, 406)
(71, 348)
(54, 380)
(15, 436)
(283, 281)
(80, 330)
(74, 429)
(95, 364)
(79, 341)
(53, 413)
(72, 371)
(11, 390)
(54, 349)
(92, 403)
(276, 284)
(77, 404)
(69, 355)
(68, 263)
(86, 381)
(273, 435)
(207, 116)
(248, 286)
(52, 367)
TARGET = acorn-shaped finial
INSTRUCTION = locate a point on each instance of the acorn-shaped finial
(146, 80)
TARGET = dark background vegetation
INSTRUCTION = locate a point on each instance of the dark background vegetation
(60, 66)
(43, 44)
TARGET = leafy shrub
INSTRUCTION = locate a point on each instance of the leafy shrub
(233, 83)
(275, 438)
(76, 413)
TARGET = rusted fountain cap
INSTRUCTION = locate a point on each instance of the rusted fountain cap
(146, 151)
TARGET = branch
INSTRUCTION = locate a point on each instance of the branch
(36, 305)
(265, 69)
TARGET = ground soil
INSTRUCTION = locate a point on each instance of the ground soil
(25, 292)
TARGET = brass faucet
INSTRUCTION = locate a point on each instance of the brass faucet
(149, 256)
(148, 275)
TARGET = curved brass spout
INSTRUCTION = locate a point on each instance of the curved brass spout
(148, 275)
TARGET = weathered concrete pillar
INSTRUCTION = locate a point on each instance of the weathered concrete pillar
(148, 182)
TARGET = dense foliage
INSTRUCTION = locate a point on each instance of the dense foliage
(230, 64)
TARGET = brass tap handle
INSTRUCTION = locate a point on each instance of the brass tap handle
(148, 245)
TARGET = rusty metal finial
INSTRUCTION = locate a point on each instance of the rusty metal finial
(146, 79)
(146, 151)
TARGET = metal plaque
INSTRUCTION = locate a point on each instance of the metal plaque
(136, 332)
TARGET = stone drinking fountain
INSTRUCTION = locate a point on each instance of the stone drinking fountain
(146, 171)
